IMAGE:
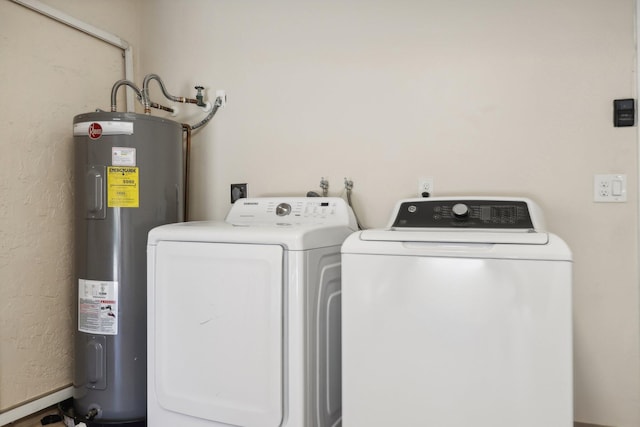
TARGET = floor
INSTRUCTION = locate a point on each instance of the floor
(34, 420)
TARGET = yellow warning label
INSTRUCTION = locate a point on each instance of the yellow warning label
(123, 190)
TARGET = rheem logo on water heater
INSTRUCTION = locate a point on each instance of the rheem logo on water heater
(95, 130)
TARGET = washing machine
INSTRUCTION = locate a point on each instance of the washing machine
(244, 316)
(457, 314)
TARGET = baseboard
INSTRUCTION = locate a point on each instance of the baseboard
(35, 405)
(52, 399)
(579, 424)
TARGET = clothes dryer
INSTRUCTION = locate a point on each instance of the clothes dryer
(244, 316)
(457, 314)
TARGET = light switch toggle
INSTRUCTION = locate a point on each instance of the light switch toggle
(616, 187)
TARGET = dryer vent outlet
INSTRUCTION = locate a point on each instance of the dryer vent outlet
(238, 191)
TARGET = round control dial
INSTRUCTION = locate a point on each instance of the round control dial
(283, 209)
(460, 210)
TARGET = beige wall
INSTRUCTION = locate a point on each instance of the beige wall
(500, 97)
(48, 74)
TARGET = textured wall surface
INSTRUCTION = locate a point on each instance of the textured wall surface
(502, 97)
(48, 74)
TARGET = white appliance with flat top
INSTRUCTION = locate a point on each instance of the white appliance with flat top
(457, 314)
(244, 316)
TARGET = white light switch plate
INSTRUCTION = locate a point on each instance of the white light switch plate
(610, 188)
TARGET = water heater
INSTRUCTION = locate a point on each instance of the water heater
(129, 179)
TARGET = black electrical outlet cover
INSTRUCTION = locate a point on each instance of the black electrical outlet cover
(238, 191)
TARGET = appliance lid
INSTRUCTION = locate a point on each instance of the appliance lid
(295, 223)
(301, 237)
(456, 244)
(456, 236)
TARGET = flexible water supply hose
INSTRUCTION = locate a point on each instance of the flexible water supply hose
(209, 116)
(147, 100)
(324, 184)
(348, 185)
(115, 88)
(138, 93)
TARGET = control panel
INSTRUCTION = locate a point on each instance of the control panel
(290, 211)
(463, 213)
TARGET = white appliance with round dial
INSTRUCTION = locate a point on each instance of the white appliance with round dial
(244, 316)
(457, 314)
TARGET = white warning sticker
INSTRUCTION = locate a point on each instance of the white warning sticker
(123, 156)
(98, 307)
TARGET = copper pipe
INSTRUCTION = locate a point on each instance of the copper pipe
(187, 129)
(161, 107)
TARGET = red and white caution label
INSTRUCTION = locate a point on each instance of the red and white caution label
(98, 307)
